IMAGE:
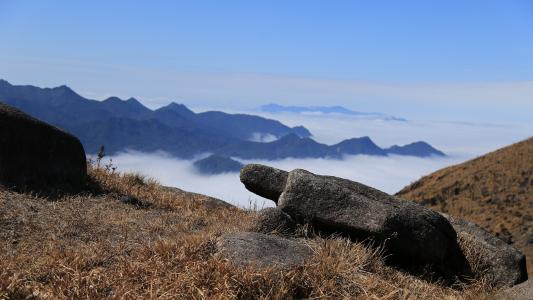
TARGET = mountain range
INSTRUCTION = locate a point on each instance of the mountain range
(128, 125)
(274, 108)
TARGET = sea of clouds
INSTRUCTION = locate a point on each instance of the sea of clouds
(461, 141)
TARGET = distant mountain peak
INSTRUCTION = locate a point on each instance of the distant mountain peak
(178, 108)
(113, 99)
(217, 164)
(65, 89)
(419, 148)
(326, 110)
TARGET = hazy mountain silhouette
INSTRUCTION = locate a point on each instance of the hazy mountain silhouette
(127, 124)
(276, 108)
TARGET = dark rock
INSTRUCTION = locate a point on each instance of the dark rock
(264, 181)
(37, 156)
(262, 250)
(502, 264)
(523, 291)
(414, 236)
(273, 220)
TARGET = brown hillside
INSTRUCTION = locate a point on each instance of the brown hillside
(130, 238)
(494, 191)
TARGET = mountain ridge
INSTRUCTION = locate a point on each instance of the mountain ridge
(128, 124)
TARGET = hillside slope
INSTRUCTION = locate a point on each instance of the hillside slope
(494, 191)
(128, 237)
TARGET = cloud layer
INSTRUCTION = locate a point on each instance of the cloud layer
(461, 141)
(386, 173)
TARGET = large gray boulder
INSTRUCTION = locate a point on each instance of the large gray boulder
(523, 291)
(37, 156)
(263, 180)
(273, 220)
(262, 250)
(414, 236)
(502, 264)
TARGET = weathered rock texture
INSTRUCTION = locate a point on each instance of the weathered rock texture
(273, 220)
(262, 250)
(37, 156)
(413, 235)
(265, 181)
(502, 264)
(523, 291)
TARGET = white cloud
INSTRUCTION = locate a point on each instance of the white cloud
(462, 141)
(386, 173)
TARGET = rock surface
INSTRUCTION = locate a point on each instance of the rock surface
(262, 250)
(37, 156)
(502, 264)
(523, 291)
(413, 235)
(273, 220)
(264, 181)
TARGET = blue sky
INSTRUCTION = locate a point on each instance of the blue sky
(458, 60)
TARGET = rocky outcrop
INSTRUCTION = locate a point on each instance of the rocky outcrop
(413, 235)
(37, 156)
(264, 181)
(273, 220)
(262, 250)
(523, 291)
(500, 263)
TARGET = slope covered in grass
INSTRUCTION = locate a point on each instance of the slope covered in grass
(128, 237)
(494, 191)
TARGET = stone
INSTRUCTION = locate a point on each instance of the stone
(413, 236)
(208, 202)
(262, 250)
(264, 181)
(502, 264)
(37, 156)
(273, 220)
(523, 291)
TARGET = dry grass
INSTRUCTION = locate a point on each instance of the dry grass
(494, 191)
(95, 246)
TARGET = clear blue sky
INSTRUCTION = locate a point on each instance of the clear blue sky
(375, 55)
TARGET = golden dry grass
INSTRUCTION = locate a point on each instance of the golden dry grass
(94, 246)
(494, 191)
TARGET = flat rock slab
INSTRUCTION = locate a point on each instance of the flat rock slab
(523, 291)
(262, 250)
(503, 264)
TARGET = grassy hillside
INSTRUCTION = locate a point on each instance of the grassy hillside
(494, 191)
(160, 244)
